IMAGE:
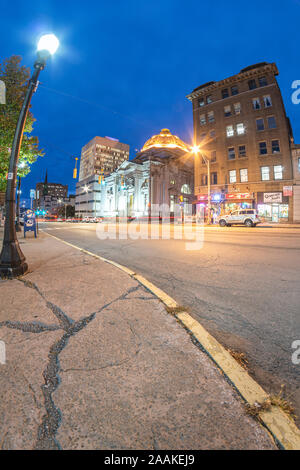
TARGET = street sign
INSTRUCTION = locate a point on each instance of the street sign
(32, 193)
(287, 190)
(2, 92)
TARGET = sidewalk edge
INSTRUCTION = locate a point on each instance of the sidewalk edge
(276, 421)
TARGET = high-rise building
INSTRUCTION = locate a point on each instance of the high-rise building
(102, 155)
(241, 126)
(48, 194)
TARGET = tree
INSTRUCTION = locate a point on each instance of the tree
(15, 76)
(69, 211)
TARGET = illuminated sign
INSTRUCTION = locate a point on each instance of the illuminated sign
(239, 196)
(272, 197)
(287, 190)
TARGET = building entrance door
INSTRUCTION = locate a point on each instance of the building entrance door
(275, 213)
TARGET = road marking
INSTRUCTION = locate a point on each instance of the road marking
(278, 423)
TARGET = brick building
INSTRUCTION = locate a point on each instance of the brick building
(241, 126)
(296, 186)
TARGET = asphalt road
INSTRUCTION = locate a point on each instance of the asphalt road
(243, 286)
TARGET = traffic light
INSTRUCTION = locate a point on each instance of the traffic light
(181, 198)
(75, 169)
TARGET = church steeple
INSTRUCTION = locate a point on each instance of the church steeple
(45, 191)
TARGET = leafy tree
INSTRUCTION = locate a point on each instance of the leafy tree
(70, 211)
(15, 77)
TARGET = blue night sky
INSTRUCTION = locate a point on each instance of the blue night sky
(124, 67)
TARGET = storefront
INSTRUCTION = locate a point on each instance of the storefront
(235, 201)
(273, 207)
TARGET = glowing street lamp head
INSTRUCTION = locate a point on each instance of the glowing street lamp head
(195, 149)
(85, 188)
(48, 42)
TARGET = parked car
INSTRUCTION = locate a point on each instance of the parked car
(247, 217)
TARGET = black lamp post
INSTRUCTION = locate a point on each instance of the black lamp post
(12, 260)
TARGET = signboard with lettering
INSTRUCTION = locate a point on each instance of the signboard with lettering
(29, 222)
(272, 197)
(287, 190)
(239, 196)
(32, 193)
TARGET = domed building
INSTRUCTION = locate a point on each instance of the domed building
(158, 181)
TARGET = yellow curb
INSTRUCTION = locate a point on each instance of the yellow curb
(278, 423)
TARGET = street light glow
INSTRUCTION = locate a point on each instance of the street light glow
(195, 148)
(48, 42)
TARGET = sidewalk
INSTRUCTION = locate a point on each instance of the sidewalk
(94, 361)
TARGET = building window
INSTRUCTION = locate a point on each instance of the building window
(260, 125)
(231, 153)
(202, 120)
(242, 150)
(278, 170)
(209, 99)
(213, 156)
(213, 133)
(201, 102)
(267, 101)
(172, 182)
(263, 148)
(225, 93)
(237, 108)
(299, 164)
(204, 180)
(252, 84)
(271, 122)
(185, 189)
(227, 111)
(203, 135)
(234, 90)
(229, 131)
(232, 176)
(256, 103)
(240, 128)
(214, 178)
(265, 173)
(211, 116)
(262, 81)
(243, 175)
(275, 146)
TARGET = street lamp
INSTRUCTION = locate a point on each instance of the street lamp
(12, 260)
(196, 151)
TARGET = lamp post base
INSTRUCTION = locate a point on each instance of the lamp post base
(12, 261)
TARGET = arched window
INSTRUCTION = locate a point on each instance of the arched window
(185, 189)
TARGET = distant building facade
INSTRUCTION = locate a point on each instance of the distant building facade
(102, 155)
(160, 174)
(241, 126)
(48, 196)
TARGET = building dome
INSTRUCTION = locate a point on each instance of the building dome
(165, 140)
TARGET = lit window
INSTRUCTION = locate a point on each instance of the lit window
(209, 99)
(262, 81)
(234, 90)
(260, 125)
(263, 148)
(243, 175)
(213, 156)
(252, 84)
(201, 102)
(231, 153)
(185, 189)
(225, 93)
(229, 131)
(204, 180)
(240, 128)
(211, 116)
(265, 173)
(232, 176)
(237, 108)
(267, 101)
(242, 150)
(278, 170)
(271, 122)
(227, 111)
(256, 103)
(275, 146)
(202, 119)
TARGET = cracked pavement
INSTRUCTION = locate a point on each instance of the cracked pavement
(94, 361)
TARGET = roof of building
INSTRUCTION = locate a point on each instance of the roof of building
(165, 139)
